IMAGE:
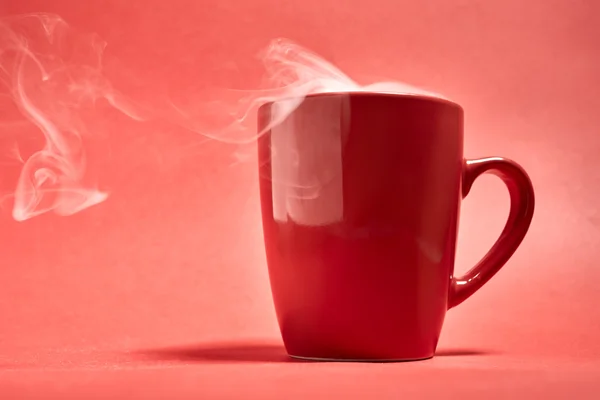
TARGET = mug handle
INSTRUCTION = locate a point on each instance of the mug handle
(522, 203)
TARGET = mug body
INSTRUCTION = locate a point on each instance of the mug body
(360, 196)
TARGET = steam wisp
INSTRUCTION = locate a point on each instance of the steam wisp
(54, 76)
(291, 72)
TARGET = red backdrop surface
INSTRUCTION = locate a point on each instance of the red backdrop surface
(163, 289)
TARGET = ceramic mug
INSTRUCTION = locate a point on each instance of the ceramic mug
(360, 196)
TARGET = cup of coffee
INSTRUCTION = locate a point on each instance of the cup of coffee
(360, 196)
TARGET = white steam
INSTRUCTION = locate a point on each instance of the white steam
(53, 74)
(54, 77)
(292, 73)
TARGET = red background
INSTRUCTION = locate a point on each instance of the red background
(163, 289)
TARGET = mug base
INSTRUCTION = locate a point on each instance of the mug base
(356, 360)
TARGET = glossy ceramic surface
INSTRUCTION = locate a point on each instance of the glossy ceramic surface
(360, 197)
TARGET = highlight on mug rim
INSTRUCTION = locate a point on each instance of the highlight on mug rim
(364, 93)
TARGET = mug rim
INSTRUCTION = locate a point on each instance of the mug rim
(350, 93)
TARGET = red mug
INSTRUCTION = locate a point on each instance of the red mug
(360, 196)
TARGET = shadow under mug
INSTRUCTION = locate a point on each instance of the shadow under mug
(360, 196)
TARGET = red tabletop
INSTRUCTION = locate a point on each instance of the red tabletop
(162, 290)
